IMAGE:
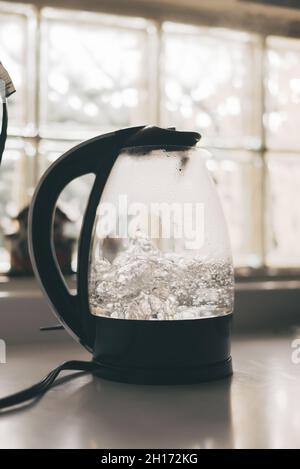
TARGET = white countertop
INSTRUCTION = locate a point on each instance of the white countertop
(258, 408)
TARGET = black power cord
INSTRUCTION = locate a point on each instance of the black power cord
(40, 388)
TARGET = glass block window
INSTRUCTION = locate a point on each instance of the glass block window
(74, 198)
(16, 188)
(17, 47)
(95, 73)
(207, 84)
(282, 93)
(80, 74)
(238, 177)
(283, 210)
(282, 115)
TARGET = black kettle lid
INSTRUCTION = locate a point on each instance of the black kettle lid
(162, 137)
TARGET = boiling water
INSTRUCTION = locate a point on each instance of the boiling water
(141, 282)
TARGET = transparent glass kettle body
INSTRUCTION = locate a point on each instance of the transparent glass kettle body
(160, 249)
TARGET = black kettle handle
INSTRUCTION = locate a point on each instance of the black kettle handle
(93, 156)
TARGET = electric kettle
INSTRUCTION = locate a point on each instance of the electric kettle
(154, 294)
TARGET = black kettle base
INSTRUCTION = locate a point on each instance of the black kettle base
(163, 352)
(166, 377)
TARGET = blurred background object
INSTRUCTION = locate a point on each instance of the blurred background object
(228, 69)
(20, 264)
